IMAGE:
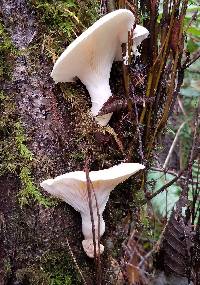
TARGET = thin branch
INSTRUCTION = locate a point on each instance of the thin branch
(143, 259)
(139, 132)
(90, 207)
(163, 188)
(173, 146)
(173, 173)
(96, 254)
(182, 107)
(193, 18)
(195, 56)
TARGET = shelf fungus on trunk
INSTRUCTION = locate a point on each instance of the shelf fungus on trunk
(90, 56)
(72, 188)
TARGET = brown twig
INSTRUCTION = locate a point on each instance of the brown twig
(195, 56)
(193, 18)
(139, 133)
(173, 146)
(163, 188)
(96, 254)
(90, 207)
(167, 171)
(99, 277)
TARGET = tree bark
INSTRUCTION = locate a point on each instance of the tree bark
(33, 244)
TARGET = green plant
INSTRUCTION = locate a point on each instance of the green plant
(163, 202)
(29, 190)
(7, 51)
(20, 142)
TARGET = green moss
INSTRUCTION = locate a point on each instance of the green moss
(7, 52)
(29, 189)
(20, 142)
(63, 21)
(40, 276)
(77, 156)
(32, 276)
(7, 267)
(14, 153)
(60, 268)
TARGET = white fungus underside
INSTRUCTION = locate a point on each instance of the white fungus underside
(72, 187)
(111, 173)
(70, 63)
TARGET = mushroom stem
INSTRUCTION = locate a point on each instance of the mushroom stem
(87, 225)
(100, 93)
(72, 188)
(88, 243)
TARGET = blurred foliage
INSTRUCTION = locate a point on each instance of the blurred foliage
(189, 99)
(163, 202)
(191, 26)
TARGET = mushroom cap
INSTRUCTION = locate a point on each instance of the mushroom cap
(111, 28)
(72, 187)
(139, 34)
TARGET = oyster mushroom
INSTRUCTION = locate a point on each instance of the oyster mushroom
(72, 188)
(90, 57)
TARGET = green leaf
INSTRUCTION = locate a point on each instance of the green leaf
(163, 202)
(194, 31)
(190, 92)
(192, 46)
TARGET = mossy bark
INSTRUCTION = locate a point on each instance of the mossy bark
(57, 135)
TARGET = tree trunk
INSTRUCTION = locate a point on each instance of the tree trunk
(50, 136)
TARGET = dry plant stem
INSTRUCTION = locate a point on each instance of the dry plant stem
(99, 277)
(181, 107)
(193, 155)
(162, 56)
(193, 18)
(126, 73)
(172, 146)
(191, 160)
(153, 87)
(168, 102)
(121, 4)
(146, 257)
(117, 140)
(195, 56)
(96, 255)
(139, 134)
(75, 262)
(91, 212)
(173, 173)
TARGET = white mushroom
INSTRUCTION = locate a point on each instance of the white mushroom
(72, 188)
(90, 57)
(139, 34)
